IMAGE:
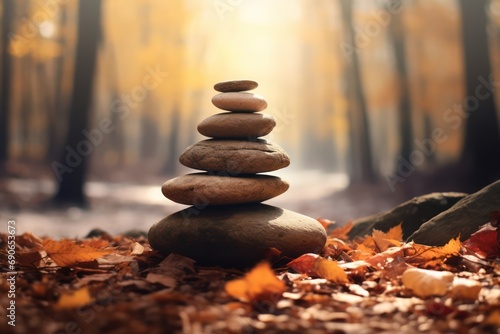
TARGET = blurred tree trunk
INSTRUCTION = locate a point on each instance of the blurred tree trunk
(173, 143)
(8, 15)
(361, 161)
(56, 114)
(89, 32)
(480, 151)
(397, 34)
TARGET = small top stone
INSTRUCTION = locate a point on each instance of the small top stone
(239, 102)
(235, 86)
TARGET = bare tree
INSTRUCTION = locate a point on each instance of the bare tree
(75, 152)
(361, 160)
(397, 34)
(8, 14)
(482, 135)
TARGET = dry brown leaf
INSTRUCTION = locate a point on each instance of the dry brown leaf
(29, 241)
(258, 284)
(341, 232)
(31, 259)
(74, 299)
(67, 253)
(166, 281)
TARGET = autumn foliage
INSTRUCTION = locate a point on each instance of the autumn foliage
(365, 284)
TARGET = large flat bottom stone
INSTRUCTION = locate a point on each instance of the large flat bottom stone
(236, 235)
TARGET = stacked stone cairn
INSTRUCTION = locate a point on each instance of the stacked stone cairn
(226, 224)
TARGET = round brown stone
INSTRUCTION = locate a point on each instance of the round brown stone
(235, 156)
(235, 85)
(236, 235)
(239, 101)
(237, 125)
(206, 189)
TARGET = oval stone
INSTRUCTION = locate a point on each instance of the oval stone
(235, 85)
(235, 156)
(207, 189)
(237, 125)
(236, 235)
(241, 101)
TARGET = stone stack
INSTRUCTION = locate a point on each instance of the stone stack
(226, 224)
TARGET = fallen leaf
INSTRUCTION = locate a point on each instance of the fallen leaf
(304, 264)
(381, 259)
(341, 232)
(67, 253)
(29, 240)
(258, 284)
(425, 283)
(326, 223)
(484, 242)
(395, 233)
(386, 240)
(331, 271)
(166, 281)
(432, 253)
(74, 299)
(31, 259)
(137, 249)
(175, 265)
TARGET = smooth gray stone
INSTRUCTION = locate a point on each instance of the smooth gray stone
(235, 156)
(236, 235)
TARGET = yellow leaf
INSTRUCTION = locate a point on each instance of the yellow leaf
(74, 299)
(385, 240)
(341, 232)
(331, 271)
(67, 253)
(395, 233)
(429, 253)
(260, 283)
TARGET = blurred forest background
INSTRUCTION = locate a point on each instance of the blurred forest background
(391, 98)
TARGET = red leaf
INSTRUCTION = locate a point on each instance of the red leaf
(304, 264)
(484, 242)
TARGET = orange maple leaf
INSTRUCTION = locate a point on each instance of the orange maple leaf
(258, 284)
(341, 232)
(432, 253)
(67, 253)
(386, 240)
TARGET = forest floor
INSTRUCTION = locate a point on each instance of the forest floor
(118, 284)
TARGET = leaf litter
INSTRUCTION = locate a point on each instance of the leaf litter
(373, 284)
